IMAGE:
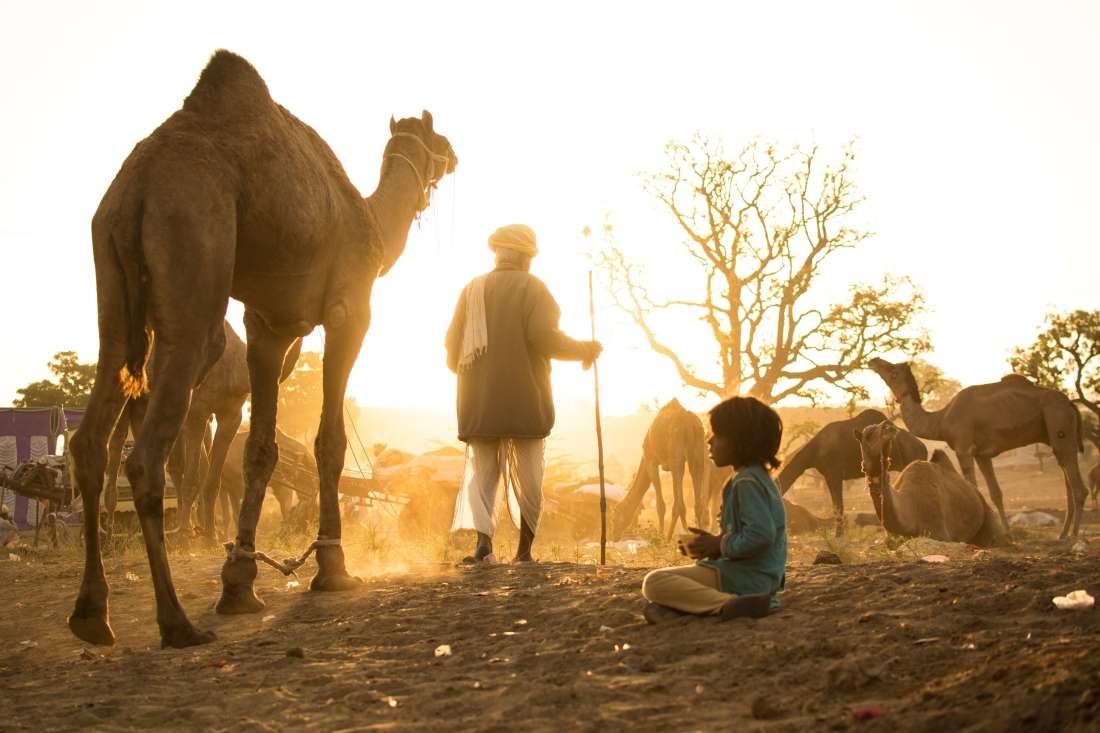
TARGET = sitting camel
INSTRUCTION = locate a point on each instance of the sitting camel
(234, 196)
(833, 454)
(931, 499)
(674, 440)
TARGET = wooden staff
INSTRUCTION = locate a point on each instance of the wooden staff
(599, 430)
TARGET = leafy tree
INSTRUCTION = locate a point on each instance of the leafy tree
(761, 226)
(72, 389)
(1066, 356)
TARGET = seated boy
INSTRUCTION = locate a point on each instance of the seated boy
(739, 571)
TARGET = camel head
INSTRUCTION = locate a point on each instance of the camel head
(415, 139)
(874, 447)
(898, 377)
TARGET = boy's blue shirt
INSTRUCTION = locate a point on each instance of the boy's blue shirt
(754, 535)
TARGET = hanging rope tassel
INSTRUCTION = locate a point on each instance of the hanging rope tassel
(287, 566)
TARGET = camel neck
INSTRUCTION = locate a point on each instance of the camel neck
(921, 422)
(394, 204)
(793, 467)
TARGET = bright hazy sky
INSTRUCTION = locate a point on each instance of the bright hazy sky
(977, 126)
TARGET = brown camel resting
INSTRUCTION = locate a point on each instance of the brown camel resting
(985, 420)
(674, 441)
(233, 196)
(835, 455)
(931, 498)
(221, 395)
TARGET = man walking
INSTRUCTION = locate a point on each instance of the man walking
(501, 340)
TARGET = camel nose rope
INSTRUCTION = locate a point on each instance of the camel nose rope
(287, 566)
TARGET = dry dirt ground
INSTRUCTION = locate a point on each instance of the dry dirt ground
(974, 643)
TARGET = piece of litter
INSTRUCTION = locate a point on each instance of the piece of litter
(867, 712)
(1080, 547)
(927, 640)
(132, 577)
(509, 633)
(443, 650)
(28, 644)
(605, 628)
(392, 702)
(269, 617)
(482, 593)
(521, 622)
(292, 584)
(13, 557)
(698, 689)
(969, 646)
(477, 685)
(1078, 600)
(935, 558)
(625, 647)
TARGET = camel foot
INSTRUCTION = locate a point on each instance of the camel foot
(184, 635)
(90, 624)
(238, 592)
(332, 575)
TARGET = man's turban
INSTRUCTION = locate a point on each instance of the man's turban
(517, 237)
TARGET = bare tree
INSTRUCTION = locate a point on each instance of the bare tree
(761, 226)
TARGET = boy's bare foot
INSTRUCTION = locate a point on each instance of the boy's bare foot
(754, 606)
(655, 613)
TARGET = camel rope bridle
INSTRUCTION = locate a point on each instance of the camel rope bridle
(427, 182)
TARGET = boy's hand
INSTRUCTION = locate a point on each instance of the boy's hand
(702, 545)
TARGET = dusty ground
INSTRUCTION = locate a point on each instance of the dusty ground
(974, 643)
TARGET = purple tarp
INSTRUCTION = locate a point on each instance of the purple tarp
(27, 433)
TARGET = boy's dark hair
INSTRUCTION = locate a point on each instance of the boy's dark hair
(754, 428)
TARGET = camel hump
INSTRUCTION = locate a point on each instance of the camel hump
(228, 86)
(1017, 379)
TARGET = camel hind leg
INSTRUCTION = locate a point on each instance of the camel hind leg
(229, 421)
(89, 620)
(1063, 438)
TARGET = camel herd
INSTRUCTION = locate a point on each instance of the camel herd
(931, 497)
(234, 196)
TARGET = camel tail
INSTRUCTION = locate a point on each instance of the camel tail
(132, 376)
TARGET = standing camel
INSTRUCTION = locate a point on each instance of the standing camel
(233, 196)
(674, 440)
(985, 420)
(931, 499)
(221, 394)
(834, 454)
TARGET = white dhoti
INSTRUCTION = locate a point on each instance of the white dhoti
(521, 463)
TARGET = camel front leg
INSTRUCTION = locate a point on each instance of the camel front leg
(679, 507)
(341, 349)
(229, 422)
(265, 359)
(835, 484)
(655, 481)
(985, 464)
